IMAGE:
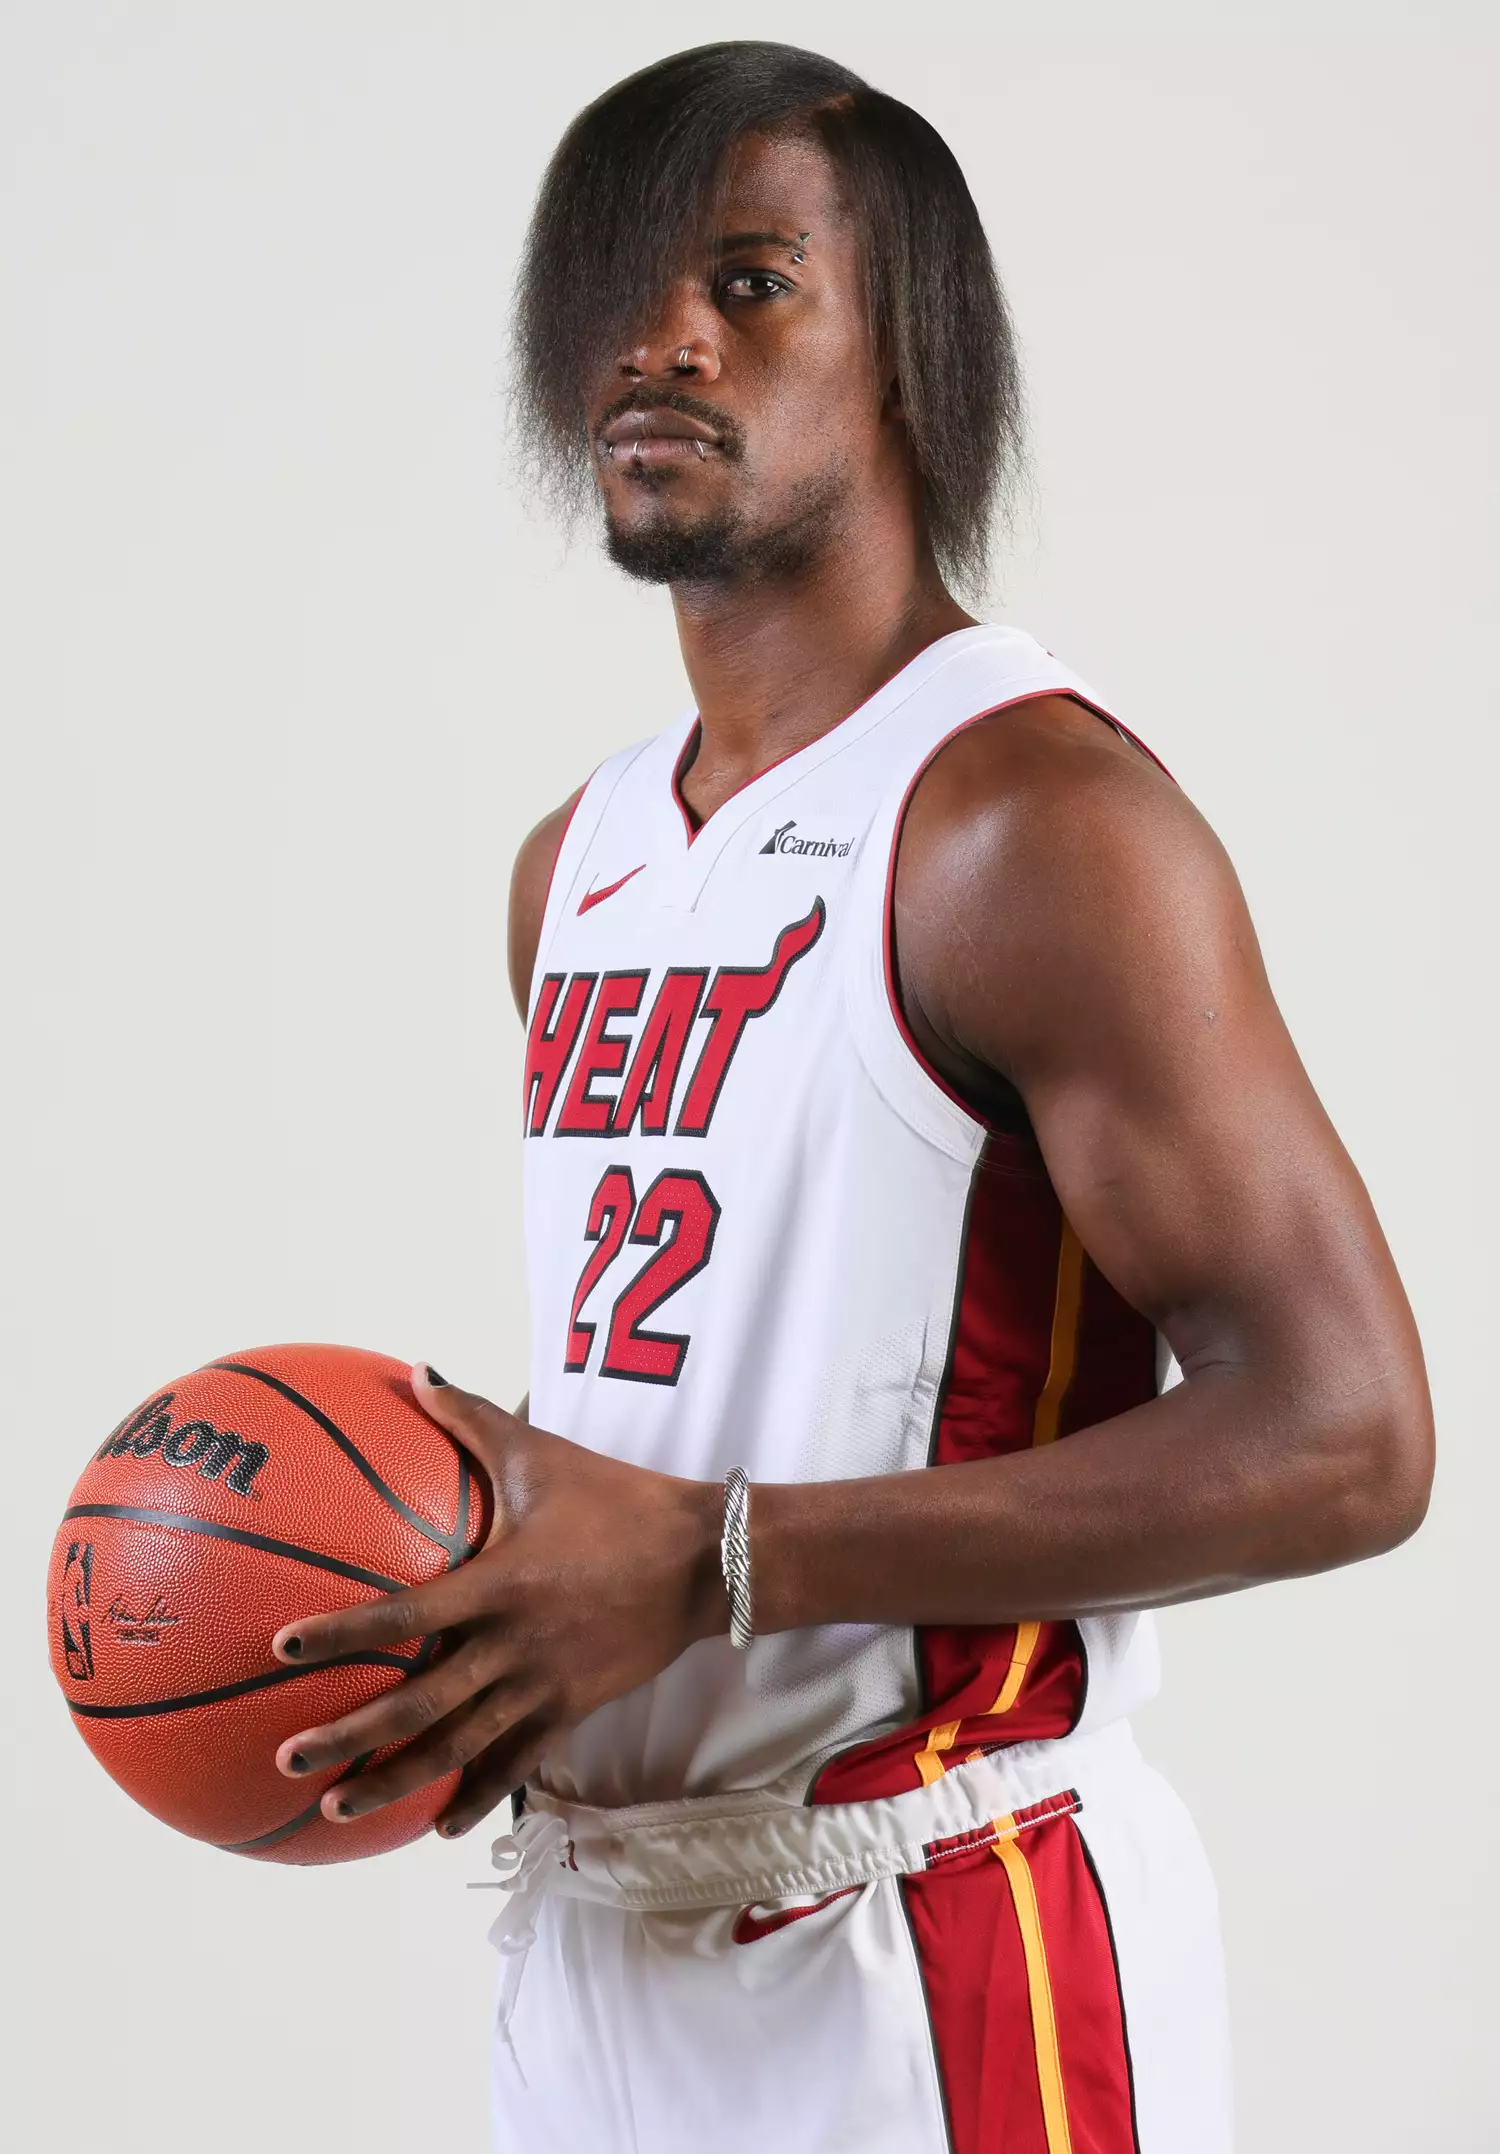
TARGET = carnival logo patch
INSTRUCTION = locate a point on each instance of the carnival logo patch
(782, 841)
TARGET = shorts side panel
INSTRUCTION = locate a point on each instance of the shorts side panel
(1024, 1998)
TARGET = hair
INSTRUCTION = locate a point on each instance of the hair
(627, 196)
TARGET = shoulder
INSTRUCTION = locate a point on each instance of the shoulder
(1043, 796)
(530, 880)
(1050, 757)
(1046, 862)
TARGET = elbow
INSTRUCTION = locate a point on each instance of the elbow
(1386, 1479)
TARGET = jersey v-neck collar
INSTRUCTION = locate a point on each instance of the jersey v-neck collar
(703, 842)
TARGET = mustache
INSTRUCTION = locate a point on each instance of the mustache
(731, 438)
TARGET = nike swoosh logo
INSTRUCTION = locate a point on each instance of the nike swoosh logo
(597, 897)
(749, 1926)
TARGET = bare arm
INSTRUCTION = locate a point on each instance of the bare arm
(1071, 941)
(1067, 926)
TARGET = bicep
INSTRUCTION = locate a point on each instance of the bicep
(1184, 1138)
(1113, 977)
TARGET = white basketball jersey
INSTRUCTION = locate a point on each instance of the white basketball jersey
(761, 1232)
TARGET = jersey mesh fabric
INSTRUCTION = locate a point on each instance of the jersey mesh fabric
(762, 1233)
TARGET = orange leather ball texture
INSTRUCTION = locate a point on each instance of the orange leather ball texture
(284, 1482)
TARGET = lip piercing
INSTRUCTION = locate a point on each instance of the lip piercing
(702, 451)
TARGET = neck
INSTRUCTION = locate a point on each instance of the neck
(776, 663)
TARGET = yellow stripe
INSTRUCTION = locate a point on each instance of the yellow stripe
(930, 1757)
(1039, 1988)
(1064, 1337)
(1027, 1635)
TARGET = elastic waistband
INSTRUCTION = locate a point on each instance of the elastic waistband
(735, 1851)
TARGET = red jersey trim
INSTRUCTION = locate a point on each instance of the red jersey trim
(562, 839)
(689, 756)
(691, 745)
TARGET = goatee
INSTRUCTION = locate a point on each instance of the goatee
(721, 549)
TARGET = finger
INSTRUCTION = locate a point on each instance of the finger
(408, 1710)
(457, 1597)
(496, 1773)
(445, 1749)
(477, 1423)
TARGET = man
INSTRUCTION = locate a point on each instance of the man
(900, 1067)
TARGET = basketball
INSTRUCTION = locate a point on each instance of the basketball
(285, 1482)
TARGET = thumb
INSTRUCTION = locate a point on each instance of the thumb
(477, 1423)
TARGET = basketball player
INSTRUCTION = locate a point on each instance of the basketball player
(900, 1067)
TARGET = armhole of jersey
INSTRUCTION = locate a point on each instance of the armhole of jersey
(905, 1077)
(572, 850)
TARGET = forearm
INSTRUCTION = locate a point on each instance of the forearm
(1217, 1484)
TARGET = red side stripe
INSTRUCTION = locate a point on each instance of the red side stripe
(968, 1936)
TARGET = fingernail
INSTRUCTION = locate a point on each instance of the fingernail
(298, 1762)
(343, 1809)
(292, 1647)
(439, 1383)
(451, 1830)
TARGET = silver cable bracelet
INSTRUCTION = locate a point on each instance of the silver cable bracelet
(734, 1552)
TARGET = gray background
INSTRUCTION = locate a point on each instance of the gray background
(286, 671)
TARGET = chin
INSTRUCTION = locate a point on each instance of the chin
(663, 548)
(721, 549)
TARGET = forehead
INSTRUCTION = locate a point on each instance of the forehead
(787, 184)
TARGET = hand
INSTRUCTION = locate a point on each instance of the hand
(595, 1577)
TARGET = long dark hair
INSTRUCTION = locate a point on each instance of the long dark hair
(627, 194)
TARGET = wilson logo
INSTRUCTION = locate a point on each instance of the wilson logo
(149, 1432)
(782, 841)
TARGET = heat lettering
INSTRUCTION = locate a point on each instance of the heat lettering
(652, 1077)
(584, 1113)
(736, 994)
(550, 1043)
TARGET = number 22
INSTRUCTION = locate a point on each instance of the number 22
(679, 1199)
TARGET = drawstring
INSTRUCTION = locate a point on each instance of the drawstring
(522, 1858)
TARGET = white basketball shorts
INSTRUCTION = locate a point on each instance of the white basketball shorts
(1022, 1958)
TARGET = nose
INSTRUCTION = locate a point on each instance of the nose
(676, 350)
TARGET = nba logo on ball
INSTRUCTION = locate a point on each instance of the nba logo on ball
(74, 1622)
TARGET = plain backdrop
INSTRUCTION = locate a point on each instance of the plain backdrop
(287, 668)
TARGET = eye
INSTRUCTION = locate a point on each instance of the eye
(753, 284)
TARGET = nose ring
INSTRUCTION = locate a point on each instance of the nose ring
(685, 358)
